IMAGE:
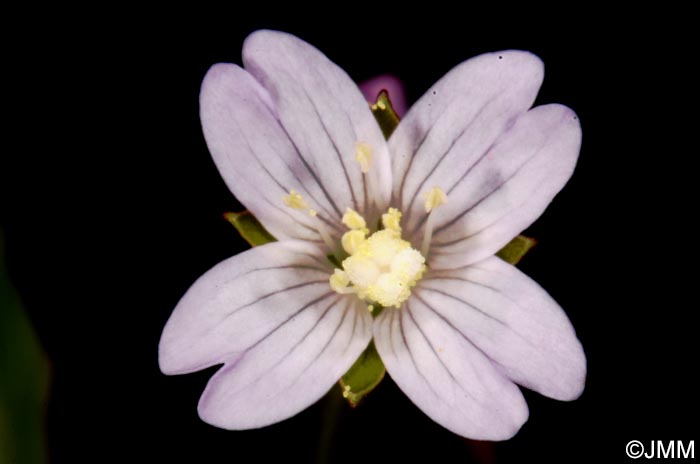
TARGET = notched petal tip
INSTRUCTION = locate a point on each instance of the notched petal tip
(217, 76)
(263, 36)
(573, 387)
(509, 430)
(525, 63)
(168, 360)
(172, 347)
(565, 128)
(264, 39)
(506, 427)
(567, 115)
(211, 412)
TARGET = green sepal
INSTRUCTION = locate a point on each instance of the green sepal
(384, 113)
(367, 372)
(250, 229)
(516, 249)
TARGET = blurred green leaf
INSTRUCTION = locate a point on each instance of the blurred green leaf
(367, 372)
(385, 115)
(250, 229)
(24, 378)
(516, 249)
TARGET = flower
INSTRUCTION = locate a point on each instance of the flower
(414, 224)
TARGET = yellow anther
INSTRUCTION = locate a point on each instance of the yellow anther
(370, 308)
(313, 212)
(434, 198)
(392, 220)
(352, 239)
(295, 200)
(353, 220)
(363, 155)
(374, 107)
(339, 281)
(361, 270)
(381, 105)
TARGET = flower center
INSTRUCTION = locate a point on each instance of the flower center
(382, 267)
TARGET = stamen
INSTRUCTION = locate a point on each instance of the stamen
(392, 220)
(340, 282)
(354, 220)
(433, 198)
(363, 155)
(352, 240)
(323, 232)
(295, 201)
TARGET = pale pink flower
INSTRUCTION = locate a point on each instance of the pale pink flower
(296, 143)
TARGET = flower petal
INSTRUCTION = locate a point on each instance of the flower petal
(324, 114)
(513, 321)
(445, 375)
(456, 121)
(240, 301)
(255, 156)
(291, 368)
(508, 188)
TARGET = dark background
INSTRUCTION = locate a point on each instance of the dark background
(112, 208)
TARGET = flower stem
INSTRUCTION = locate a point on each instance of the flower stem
(333, 406)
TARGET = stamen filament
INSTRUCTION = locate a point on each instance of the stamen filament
(364, 156)
(323, 232)
(425, 247)
(433, 198)
(371, 204)
(295, 201)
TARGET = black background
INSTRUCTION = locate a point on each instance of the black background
(112, 208)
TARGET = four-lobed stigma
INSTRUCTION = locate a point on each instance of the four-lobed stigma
(382, 267)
